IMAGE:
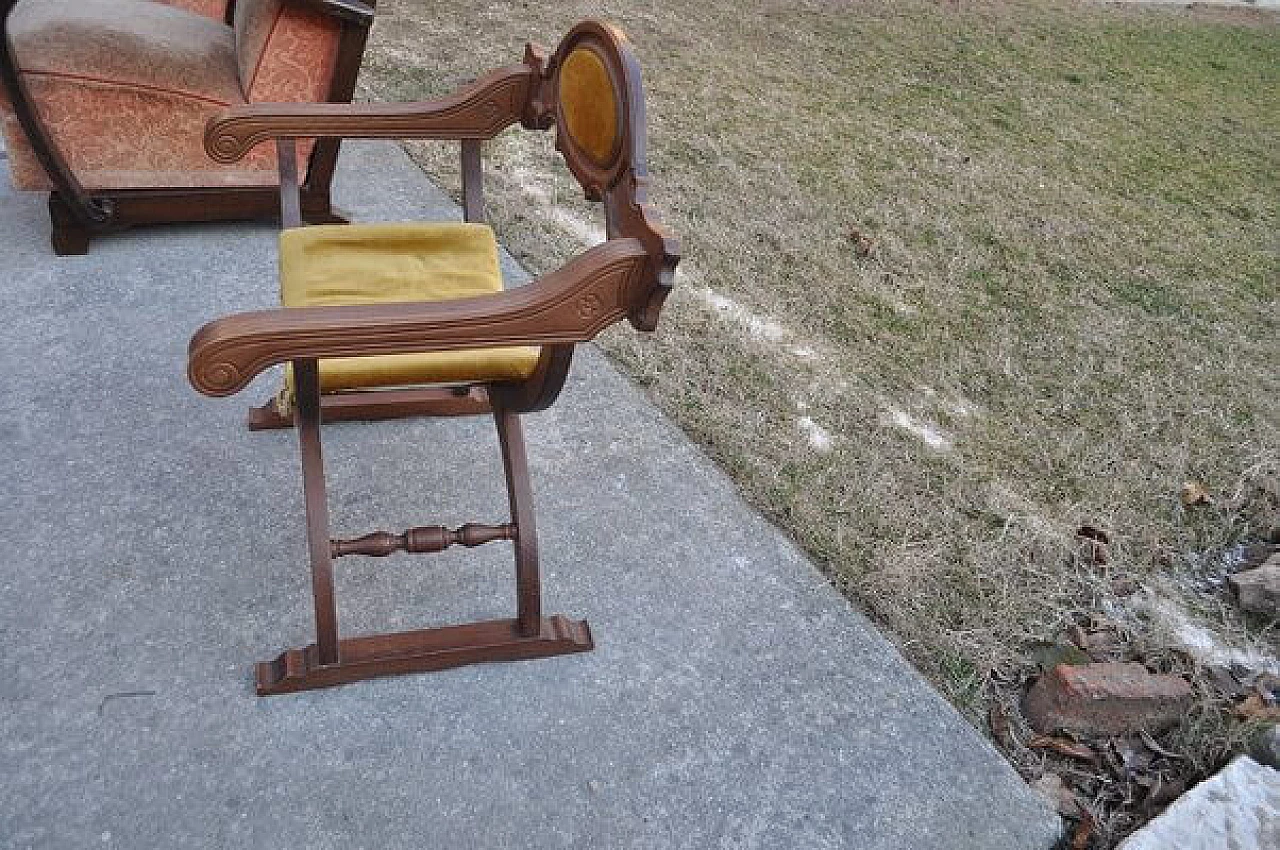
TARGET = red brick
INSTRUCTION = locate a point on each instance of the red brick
(1105, 699)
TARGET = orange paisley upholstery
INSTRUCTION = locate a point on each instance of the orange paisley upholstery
(125, 86)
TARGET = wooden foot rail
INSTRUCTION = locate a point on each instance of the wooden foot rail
(422, 651)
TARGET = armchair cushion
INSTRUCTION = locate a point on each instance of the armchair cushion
(127, 42)
(125, 87)
(337, 265)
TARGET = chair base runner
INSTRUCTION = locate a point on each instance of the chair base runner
(421, 651)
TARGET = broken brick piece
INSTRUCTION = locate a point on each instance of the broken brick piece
(1105, 699)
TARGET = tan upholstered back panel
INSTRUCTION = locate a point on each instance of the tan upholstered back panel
(589, 105)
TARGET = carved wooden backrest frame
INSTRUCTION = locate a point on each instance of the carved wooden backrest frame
(621, 181)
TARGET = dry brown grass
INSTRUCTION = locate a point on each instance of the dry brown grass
(1016, 260)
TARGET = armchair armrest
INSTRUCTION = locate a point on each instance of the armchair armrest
(571, 304)
(478, 111)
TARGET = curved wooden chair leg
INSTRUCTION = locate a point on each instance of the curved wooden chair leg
(317, 206)
(520, 497)
(330, 661)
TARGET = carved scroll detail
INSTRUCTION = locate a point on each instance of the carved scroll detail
(426, 538)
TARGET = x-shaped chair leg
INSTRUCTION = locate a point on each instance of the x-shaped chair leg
(330, 661)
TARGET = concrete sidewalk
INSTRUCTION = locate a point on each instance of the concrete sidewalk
(154, 549)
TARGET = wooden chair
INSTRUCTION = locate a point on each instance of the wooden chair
(104, 104)
(410, 319)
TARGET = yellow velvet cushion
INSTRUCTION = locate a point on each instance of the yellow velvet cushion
(337, 265)
(589, 105)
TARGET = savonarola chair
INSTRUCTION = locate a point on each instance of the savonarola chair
(103, 104)
(384, 320)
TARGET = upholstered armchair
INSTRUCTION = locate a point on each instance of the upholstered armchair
(411, 319)
(105, 102)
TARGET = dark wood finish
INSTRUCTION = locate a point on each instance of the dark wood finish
(307, 410)
(81, 211)
(422, 651)
(69, 235)
(520, 498)
(287, 167)
(472, 182)
(324, 154)
(353, 11)
(381, 404)
(626, 277)
(77, 214)
(543, 386)
(422, 539)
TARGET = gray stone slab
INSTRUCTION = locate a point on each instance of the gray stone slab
(1236, 809)
(154, 549)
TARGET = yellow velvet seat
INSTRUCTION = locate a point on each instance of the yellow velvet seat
(353, 264)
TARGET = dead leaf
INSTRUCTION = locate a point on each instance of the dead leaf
(1062, 746)
(1052, 788)
(1254, 707)
(1090, 532)
(1048, 655)
(1084, 831)
(1130, 759)
(1163, 792)
(1193, 493)
(999, 723)
(863, 245)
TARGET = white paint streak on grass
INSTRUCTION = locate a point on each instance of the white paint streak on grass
(955, 405)
(1202, 643)
(932, 437)
(819, 438)
(757, 326)
(532, 185)
(587, 233)
(584, 231)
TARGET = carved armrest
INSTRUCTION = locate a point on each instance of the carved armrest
(478, 111)
(572, 304)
